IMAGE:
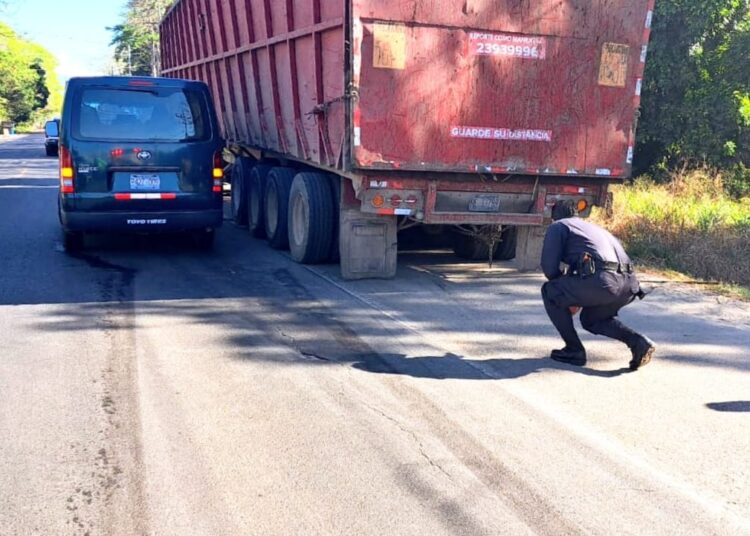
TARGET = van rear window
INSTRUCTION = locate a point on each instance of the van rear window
(154, 114)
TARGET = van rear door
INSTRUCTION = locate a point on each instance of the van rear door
(141, 144)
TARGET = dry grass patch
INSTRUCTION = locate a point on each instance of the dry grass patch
(689, 225)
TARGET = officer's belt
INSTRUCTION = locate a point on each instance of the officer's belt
(605, 266)
(615, 267)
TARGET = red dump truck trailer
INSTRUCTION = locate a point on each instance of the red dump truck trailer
(348, 120)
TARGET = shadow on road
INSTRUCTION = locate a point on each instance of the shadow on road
(735, 406)
(451, 366)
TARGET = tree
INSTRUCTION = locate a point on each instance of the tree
(136, 39)
(696, 94)
(27, 80)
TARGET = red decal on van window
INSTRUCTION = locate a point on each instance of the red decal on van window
(515, 46)
(489, 133)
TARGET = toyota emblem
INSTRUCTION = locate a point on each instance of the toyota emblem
(144, 155)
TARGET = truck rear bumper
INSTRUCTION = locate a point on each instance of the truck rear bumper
(141, 222)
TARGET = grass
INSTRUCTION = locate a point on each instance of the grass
(688, 225)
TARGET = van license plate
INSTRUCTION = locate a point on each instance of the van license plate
(485, 203)
(145, 182)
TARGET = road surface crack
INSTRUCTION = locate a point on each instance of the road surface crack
(414, 437)
(304, 353)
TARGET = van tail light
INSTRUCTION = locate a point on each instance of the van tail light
(218, 172)
(66, 171)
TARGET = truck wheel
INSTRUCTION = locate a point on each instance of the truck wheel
(471, 248)
(506, 250)
(334, 255)
(240, 175)
(276, 206)
(310, 218)
(256, 192)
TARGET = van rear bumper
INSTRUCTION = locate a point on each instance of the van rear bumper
(141, 222)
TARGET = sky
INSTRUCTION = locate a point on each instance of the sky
(75, 31)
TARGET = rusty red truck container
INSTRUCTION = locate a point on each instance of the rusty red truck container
(348, 120)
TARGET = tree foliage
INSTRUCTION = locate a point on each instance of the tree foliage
(27, 80)
(136, 39)
(696, 95)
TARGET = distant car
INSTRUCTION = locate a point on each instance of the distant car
(51, 137)
(139, 155)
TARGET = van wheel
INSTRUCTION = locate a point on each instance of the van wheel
(310, 218)
(506, 249)
(276, 206)
(256, 192)
(240, 177)
(204, 240)
(73, 241)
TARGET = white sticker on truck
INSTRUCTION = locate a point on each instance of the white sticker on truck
(490, 133)
(508, 45)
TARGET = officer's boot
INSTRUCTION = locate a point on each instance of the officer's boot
(641, 347)
(643, 351)
(574, 352)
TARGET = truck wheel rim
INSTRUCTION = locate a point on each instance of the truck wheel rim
(299, 219)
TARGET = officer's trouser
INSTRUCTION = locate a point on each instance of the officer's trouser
(601, 297)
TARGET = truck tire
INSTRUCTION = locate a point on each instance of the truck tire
(506, 250)
(334, 256)
(310, 218)
(256, 193)
(471, 248)
(276, 206)
(240, 178)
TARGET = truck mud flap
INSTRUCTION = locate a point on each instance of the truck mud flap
(530, 240)
(368, 245)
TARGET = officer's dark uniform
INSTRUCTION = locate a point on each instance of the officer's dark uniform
(600, 280)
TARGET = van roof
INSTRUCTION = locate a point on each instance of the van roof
(131, 81)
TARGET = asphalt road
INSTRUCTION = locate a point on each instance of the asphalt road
(147, 388)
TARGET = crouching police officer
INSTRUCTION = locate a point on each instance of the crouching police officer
(599, 282)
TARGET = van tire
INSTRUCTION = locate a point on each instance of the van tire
(73, 241)
(240, 178)
(310, 222)
(256, 193)
(204, 240)
(276, 206)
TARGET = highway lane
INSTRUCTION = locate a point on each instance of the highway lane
(147, 388)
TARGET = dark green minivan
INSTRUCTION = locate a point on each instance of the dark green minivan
(139, 155)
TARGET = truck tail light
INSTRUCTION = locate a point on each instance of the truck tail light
(395, 201)
(218, 171)
(582, 205)
(67, 173)
(378, 201)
